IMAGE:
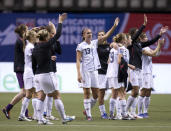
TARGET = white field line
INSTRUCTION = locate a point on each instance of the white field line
(106, 126)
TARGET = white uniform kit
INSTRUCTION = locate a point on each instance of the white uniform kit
(147, 70)
(28, 72)
(90, 63)
(112, 71)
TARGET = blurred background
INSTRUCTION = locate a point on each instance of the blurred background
(95, 14)
(85, 5)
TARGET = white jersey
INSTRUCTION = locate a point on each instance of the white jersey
(112, 70)
(125, 53)
(28, 72)
(90, 59)
(146, 62)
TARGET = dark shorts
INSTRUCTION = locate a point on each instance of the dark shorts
(20, 79)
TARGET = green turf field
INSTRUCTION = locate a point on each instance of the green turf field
(159, 120)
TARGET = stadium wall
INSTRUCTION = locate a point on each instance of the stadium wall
(67, 78)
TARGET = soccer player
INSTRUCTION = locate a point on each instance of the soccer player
(147, 85)
(88, 75)
(118, 54)
(18, 69)
(31, 38)
(135, 51)
(56, 48)
(43, 78)
(103, 51)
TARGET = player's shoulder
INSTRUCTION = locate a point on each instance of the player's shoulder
(94, 41)
(83, 43)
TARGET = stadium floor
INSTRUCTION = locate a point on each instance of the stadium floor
(159, 117)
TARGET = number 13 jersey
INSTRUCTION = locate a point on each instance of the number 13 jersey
(90, 59)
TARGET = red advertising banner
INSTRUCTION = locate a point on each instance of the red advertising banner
(154, 24)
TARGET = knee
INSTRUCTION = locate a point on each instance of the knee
(135, 94)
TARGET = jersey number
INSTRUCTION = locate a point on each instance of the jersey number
(87, 51)
(111, 57)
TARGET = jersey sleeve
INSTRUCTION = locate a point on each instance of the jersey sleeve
(79, 48)
(95, 42)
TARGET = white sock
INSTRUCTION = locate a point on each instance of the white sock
(102, 109)
(140, 104)
(24, 106)
(112, 105)
(34, 102)
(146, 104)
(87, 106)
(49, 105)
(129, 103)
(123, 107)
(39, 108)
(60, 107)
(42, 109)
(93, 102)
(118, 107)
(45, 105)
(133, 106)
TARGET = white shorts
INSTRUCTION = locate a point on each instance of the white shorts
(90, 79)
(103, 82)
(55, 80)
(136, 77)
(44, 82)
(113, 83)
(28, 83)
(147, 81)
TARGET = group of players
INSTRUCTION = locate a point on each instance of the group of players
(100, 65)
(125, 63)
(35, 67)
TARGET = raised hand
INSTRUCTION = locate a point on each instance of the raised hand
(163, 30)
(116, 21)
(161, 41)
(145, 20)
(62, 17)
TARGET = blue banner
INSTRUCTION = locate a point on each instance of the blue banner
(71, 33)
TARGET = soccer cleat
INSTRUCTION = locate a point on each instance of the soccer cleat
(141, 115)
(136, 116)
(104, 116)
(145, 115)
(89, 118)
(111, 117)
(68, 119)
(131, 117)
(51, 118)
(118, 117)
(7, 113)
(127, 117)
(23, 118)
(44, 122)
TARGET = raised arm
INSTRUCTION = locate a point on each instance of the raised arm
(59, 28)
(155, 52)
(150, 42)
(103, 38)
(137, 34)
